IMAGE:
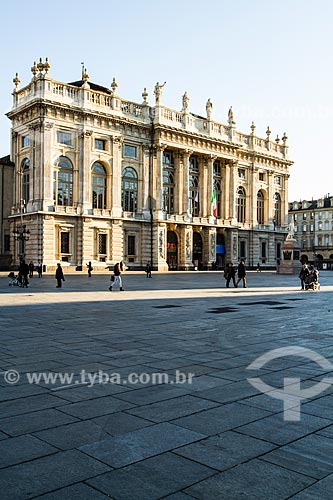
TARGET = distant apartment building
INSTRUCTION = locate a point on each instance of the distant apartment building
(6, 203)
(313, 227)
(99, 178)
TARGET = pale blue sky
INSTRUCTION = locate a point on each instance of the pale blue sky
(272, 61)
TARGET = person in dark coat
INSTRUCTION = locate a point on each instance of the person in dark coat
(90, 268)
(303, 275)
(148, 270)
(31, 269)
(241, 272)
(229, 274)
(59, 276)
(40, 270)
(24, 273)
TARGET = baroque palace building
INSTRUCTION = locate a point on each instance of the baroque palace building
(313, 230)
(102, 179)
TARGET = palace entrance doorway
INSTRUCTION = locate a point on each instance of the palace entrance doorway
(172, 251)
(197, 250)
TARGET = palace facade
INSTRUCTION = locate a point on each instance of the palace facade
(102, 179)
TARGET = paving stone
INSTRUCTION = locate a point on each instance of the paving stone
(31, 422)
(254, 480)
(328, 432)
(96, 407)
(223, 418)
(29, 404)
(74, 435)
(275, 430)
(76, 492)
(204, 382)
(164, 411)
(46, 474)
(138, 445)
(152, 394)
(120, 423)
(21, 391)
(178, 496)
(20, 449)
(322, 490)
(151, 479)
(85, 392)
(225, 450)
(235, 391)
(312, 456)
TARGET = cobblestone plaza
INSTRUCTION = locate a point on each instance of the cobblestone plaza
(211, 438)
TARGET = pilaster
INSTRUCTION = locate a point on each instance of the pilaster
(117, 147)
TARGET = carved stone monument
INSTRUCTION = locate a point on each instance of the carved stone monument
(290, 261)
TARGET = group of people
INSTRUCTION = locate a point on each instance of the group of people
(26, 271)
(230, 274)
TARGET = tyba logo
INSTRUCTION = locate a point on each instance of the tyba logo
(291, 394)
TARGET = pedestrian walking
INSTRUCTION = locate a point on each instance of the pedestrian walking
(241, 272)
(258, 268)
(90, 268)
(229, 274)
(23, 274)
(40, 270)
(116, 278)
(303, 275)
(148, 270)
(31, 269)
(59, 276)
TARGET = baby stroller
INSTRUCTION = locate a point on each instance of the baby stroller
(311, 281)
(14, 280)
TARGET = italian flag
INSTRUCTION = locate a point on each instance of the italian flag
(213, 203)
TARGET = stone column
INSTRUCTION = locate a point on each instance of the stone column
(116, 241)
(83, 170)
(270, 194)
(209, 247)
(117, 147)
(186, 248)
(233, 193)
(186, 185)
(162, 247)
(158, 182)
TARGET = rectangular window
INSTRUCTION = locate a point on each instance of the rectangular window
(102, 244)
(131, 245)
(304, 216)
(6, 243)
(304, 228)
(64, 138)
(263, 249)
(242, 250)
(277, 180)
(129, 151)
(25, 141)
(241, 173)
(261, 176)
(100, 144)
(64, 242)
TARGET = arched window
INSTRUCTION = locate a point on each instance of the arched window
(260, 208)
(129, 189)
(168, 182)
(241, 204)
(98, 174)
(277, 210)
(194, 185)
(63, 182)
(25, 172)
(217, 185)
